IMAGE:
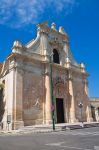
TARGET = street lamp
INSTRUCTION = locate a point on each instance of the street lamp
(81, 106)
(51, 92)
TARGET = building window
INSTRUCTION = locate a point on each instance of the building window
(56, 56)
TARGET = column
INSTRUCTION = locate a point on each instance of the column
(72, 106)
(18, 100)
(47, 97)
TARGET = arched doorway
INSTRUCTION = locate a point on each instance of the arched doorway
(60, 100)
(56, 56)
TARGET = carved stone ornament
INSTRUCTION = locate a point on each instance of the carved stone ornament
(58, 80)
(59, 91)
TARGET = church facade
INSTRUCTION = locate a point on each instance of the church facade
(25, 89)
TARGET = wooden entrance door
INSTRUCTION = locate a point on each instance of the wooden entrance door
(60, 110)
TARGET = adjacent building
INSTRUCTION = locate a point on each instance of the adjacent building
(95, 108)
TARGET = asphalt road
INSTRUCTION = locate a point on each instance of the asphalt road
(81, 139)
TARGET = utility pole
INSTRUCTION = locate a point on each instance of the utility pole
(52, 97)
(81, 106)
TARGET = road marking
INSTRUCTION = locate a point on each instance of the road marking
(77, 133)
(63, 146)
(55, 144)
(75, 148)
(96, 147)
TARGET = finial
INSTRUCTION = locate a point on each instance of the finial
(17, 46)
(68, 60)
(62, 31)
(82, 65)
(53, 26)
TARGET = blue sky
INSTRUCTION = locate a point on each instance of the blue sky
(80, 18)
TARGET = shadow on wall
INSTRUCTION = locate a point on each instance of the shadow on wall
(2, 103)
(82, 98)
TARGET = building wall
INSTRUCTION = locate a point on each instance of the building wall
(33, 94)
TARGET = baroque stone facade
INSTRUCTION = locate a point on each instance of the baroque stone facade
(25, 82)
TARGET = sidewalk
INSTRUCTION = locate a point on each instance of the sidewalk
(48, 128)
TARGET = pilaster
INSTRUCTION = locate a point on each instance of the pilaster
(9, 96)
(43, 33)
(47, 96)
(72, 100)
(86, 86)
(18, 100)
(66, 48)
(88, 108)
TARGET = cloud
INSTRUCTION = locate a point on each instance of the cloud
(18, 13)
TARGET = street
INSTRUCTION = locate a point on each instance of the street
(80, 139)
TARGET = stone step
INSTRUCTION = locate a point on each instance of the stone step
(59, 127)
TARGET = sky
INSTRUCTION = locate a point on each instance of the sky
(80, 19)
